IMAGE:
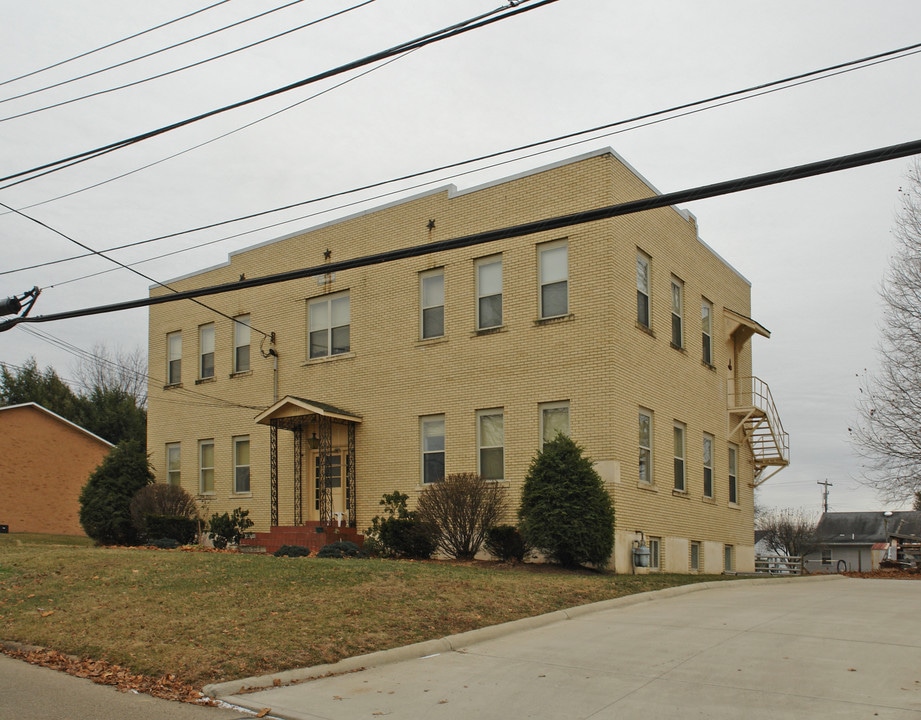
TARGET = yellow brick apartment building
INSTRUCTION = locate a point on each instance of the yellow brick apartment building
(305, 401)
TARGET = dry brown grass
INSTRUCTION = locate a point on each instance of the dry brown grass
(210, 617)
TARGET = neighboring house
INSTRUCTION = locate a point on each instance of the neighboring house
(859, 541)
(305, 401)
(45, 461)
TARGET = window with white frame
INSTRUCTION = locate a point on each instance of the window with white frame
(733, 477)
(206, 351)
(433, 448)
(677, 313)
(826, 555)
(489, 292)
(241, 333)
(695, 557)
(241, 464)
(174, 358)
(206, 467)
(491, 444)
(728, 564)
(708, 465)
(655, 553)
(680, 445)
(645, 443)
(173, 458)
(642, 290)
(553, 261)
(432, 291)
(328, 320)
(706, 331)
(554, 420)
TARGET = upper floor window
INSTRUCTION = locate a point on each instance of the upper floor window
(677, 313)
(174, 358)
(733, 478)
(328, 319)
(432, 287)
(490, 443)
(679, 433)
(554, 279)
(206, 466)
(645, 442)
(433, 448)
(241, 334)
(241, 464)
(489, 292)
(206, 351)
(642, 289)
(554, 420)
(173, 458)
(706, 331)
(708, 465)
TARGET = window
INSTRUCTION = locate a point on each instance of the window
(433, 449)
(642, 290)
(708, 465)
(695, 556)
(490, 442)
(727, 558)
(679, 458)
(645, 469)
(432, 287)
(554, 279)
(206, 351)
(554, 420)
(241, 464)
(706, 332)
(489, 293)
(174, 358)
(677, 313)
(172, 464)
(328, 320)
(655, 549)
(826, 555)
(206, 467)
(241, 344)
(733, 478)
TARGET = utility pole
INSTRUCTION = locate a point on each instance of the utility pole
(825, 493)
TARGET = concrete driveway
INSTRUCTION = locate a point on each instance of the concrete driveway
(798, 648)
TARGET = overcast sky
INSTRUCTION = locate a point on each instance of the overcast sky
(814, 250)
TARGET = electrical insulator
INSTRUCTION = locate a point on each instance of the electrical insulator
(10, 306)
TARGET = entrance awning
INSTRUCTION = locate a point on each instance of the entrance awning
(743, 325)
(290, 406)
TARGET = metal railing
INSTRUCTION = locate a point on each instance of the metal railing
(757, 395)
(779, 564)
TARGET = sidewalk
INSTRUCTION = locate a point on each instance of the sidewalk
(805, 647)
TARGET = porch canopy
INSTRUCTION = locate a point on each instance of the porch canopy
(298, 415)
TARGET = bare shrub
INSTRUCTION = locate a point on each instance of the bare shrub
(462, 507)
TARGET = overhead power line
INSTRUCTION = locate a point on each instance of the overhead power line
(727, 187)
(165, 73)
(474, 23)
(644, 119)
(112, 44)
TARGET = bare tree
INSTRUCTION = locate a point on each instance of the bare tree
(888, 429)
(789, 531)
(120, 370)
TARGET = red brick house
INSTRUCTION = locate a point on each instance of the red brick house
(45, 461)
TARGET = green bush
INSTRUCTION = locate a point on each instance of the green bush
(400, 533)
(506, 543)
(340, 549)
(462, 507)
(106, 498)
(181, 529)
(566, 512)
(228, 529)
(165, 502)
(292, 551)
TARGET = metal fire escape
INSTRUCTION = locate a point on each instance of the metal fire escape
(752, 409)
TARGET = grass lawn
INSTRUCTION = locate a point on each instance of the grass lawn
(208, 617)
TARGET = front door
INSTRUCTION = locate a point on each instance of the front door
(335, 487)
